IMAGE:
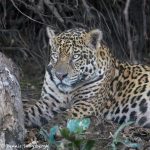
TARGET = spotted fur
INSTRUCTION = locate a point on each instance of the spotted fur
(85, 79)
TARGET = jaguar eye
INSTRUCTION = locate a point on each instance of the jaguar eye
(76, 56)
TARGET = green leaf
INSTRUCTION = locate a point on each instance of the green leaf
(78, 143)
(65, 133)
(73, 125)
(89, 145)
(78, 125)
(52, 134)
(85, 123)
(131, 145)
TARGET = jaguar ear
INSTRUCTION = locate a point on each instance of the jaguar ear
(51, 35)
(94, 37)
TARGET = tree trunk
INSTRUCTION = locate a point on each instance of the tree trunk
(11, 110)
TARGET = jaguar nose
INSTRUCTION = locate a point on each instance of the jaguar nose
(61, 75)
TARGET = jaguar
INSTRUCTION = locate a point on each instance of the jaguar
(84, 79)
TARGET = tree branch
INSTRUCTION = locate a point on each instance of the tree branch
(54, 11)
(130, 46)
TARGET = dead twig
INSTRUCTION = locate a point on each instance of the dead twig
(14, 4)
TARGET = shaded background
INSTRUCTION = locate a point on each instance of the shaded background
(125, 24)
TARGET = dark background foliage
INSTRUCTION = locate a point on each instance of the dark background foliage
(125, 24)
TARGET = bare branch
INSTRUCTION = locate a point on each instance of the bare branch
(144, 20)
(130, 46)
(26, 15)
(54, 10)
(85, 5)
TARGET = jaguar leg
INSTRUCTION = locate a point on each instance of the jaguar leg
(81, 109)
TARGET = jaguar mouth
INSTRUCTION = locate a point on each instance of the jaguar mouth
(76, 81)
(67, 88)
(70, 82)
(71, 85)
(64, 88)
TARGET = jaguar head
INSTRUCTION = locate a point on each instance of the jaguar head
(73, 57)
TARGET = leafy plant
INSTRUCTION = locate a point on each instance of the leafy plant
(71, 137)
